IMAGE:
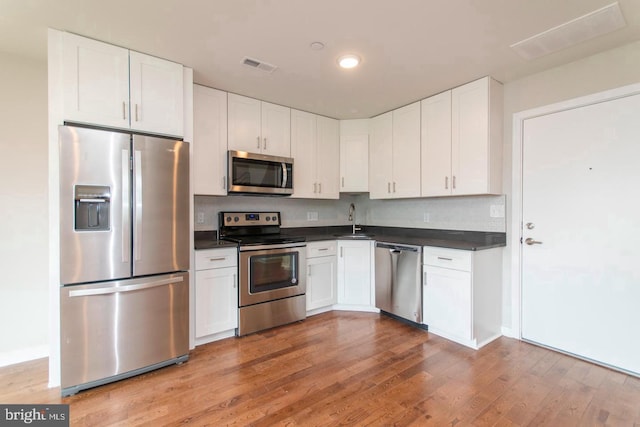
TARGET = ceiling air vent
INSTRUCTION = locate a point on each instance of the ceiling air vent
(593, 24)
(260, 65)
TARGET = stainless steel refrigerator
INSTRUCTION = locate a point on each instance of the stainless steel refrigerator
(124, 255)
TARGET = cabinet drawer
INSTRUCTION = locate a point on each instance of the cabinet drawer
(216, 258)
(324, 248)
(447, 258)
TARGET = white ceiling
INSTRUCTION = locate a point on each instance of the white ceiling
(410, 48)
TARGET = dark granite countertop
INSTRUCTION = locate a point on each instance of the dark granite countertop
(453, 239)
(209, 240)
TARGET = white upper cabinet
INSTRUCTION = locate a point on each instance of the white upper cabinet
(466, 158)
(111, 86)
(436, 145)
(209, 141)
(259, 127)
(394, 153)
(316, 154)
(156, 92)
(354, 155)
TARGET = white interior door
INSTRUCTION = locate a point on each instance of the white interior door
(581, 283)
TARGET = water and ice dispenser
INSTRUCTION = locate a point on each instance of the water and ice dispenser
(92, 203)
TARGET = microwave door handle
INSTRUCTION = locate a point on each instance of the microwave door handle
(285, 176)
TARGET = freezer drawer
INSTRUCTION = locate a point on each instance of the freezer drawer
(112, 330)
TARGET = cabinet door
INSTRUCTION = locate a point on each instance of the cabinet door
(447, 302)
(328, 158)
(216, 301)
(276, 130)
(244, 124)
(406, 149)
(380, 155)
(209, 141)
(470, 138)
(354, 273)
(303, 151)
(321, 282)
(157, 94)
(96, 82)
(435, 143)
(354, 155)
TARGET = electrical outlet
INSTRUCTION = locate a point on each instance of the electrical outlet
(312, 216)
(200, 218)
(496, 211)
(426, 217)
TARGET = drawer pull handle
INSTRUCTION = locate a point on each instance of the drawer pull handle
(217, 259)
(323, 249)
(445, 259)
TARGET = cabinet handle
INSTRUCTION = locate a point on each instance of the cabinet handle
(446, 182)
(424, 278)
(341, 250)
(343, 182)
(265, 144)
(124, 110)
(323, 249)
(258, 140)
(394, 186)
(319, 188)
(224, 182)
(445, 259)
(388, 187)
(453, 182)
(136, 112)
(315, 187)
(217, 259)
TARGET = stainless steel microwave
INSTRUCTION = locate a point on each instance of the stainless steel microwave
(252, 173)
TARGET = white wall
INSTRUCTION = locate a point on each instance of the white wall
(23, 210)
(606, 70)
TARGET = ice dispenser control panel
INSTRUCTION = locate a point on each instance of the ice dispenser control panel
(92, 203)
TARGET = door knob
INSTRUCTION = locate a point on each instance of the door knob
(530, 241)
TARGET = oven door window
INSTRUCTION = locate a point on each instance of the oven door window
(273, 271)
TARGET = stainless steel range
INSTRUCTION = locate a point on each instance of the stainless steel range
(271, 270)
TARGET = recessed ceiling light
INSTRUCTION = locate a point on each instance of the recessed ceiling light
(349, 61)
(316, 46)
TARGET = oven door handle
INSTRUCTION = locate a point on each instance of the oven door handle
(251, 248)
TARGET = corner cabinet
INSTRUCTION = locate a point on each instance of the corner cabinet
(111, 86)
(462, 294)
(395, 136)
(258, 127)
(315, 148)
(322, 287)
(356, 275)
(354, 155)
(461, 140)
(209, 141)
(216, 294)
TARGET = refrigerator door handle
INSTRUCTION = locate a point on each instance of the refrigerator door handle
(138, 202)
(126, 225)
(127, 288)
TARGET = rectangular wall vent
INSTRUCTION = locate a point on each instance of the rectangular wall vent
(593, 24)
(260, 65)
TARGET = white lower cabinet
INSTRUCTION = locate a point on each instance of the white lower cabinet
(355, 275)
(322, 287)
(462, 297)
(216, 294)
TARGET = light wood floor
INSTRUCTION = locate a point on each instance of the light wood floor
(344, 368)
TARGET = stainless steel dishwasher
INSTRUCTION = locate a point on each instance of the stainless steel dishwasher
(399, 280)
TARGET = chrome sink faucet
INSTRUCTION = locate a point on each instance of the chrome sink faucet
(352, 218)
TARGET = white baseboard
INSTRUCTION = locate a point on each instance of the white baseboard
(23, 355)
(508, 332)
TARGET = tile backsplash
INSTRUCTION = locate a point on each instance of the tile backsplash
(473, 213)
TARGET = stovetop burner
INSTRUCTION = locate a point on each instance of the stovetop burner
(253, 228)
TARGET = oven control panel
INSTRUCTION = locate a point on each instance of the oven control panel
(244, 219)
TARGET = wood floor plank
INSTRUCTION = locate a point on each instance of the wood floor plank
(348, 368)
